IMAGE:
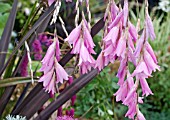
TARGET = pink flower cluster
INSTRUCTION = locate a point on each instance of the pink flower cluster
(119, 43)
(83, 46)
(53, 71)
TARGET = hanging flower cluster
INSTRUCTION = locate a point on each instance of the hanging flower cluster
(53, 71)
(119, 43)
(83, 46)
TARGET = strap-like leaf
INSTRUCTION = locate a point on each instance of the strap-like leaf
(14, 81)
(6, 35)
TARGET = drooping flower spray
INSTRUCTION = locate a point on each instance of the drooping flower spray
(120, 37)
(82, 42)
(54, 73)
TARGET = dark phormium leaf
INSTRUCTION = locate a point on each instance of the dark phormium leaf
(6, 35)
(29, 33)
(95, 29)
(66, 94)
(9, 90)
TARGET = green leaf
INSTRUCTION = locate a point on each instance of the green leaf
(15, 81)
(3, 19)
(4, 7)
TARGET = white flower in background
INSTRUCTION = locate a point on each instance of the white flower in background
(27, 11)
(17, 117)
(164, 5)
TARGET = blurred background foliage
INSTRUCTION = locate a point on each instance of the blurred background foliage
(96, 100)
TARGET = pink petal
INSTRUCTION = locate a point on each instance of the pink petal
(76, 46)
(84, 54)
(140, 116)
(130, 42)
(150, 51)
(133, 31)
(125, 12)
(50, 53)
(121, 47)
(47, 67)
(149, 27)
(131, 96)
(131, 56)
(60, 73)
(74, 35)
(132, 107)
(145, 87)
(151, 65)
(116, 20)
(140, 100)
(122, 92)
(114, 10)
(141, 68)
(139, 44)
(100, 62)
(109, 50)
(46, 78)
(112, 35)
(51, 87)
(121, 77)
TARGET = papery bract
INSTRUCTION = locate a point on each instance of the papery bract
(149, 27)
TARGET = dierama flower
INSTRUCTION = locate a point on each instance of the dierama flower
(125, 88)
(149, 27)
(83, 46)
(53, 71)
(111, 8)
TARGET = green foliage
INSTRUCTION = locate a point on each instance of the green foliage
(4, 13)
(94, 100)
